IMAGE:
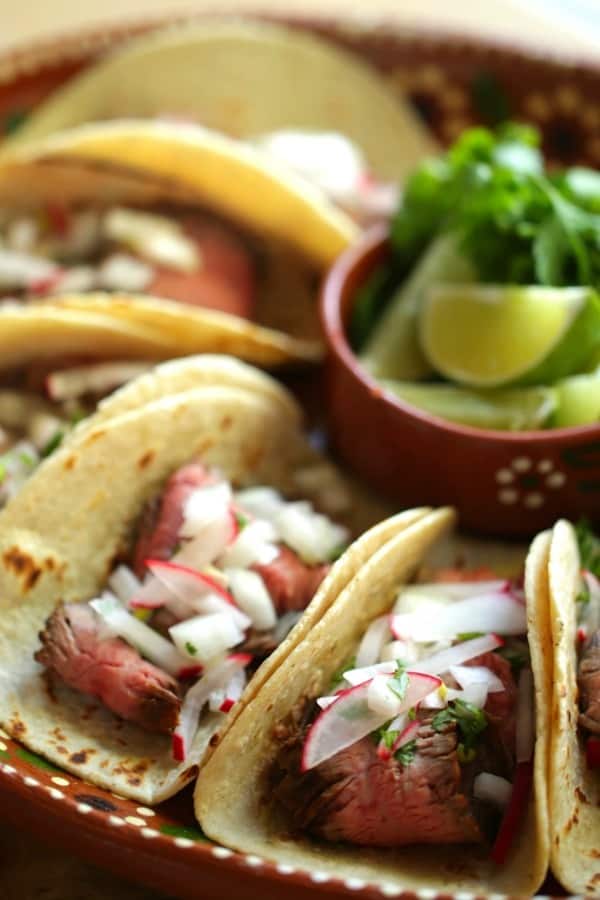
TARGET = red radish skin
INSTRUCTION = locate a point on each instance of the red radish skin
(592, 753)
(206, 581)
(190, 672)
(43, 286)
(406, 736)
(515, 812)
(226, 705)
(58, 219)
(178, 748)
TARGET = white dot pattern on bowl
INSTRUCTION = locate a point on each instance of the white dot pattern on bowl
(144, 811)
(284, 869)
(556, 480)
(61, 782)
(533, 500)
(544, 466)
(56, 794)
(505, 476)
(508, 496)
(84, 808)
(521, 464)
(116, 821)
(254, 861)
(319, 877)
(31, 782)
(183, 842)
(133, 820)
(3, 747)
(391, 890)
(222, 852)
(149, 833)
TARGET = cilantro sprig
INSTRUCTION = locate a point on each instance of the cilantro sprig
(470, 721)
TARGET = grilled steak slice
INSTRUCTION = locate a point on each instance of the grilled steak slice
(290, 582)
(500, 707)
(357, 797)
(108, 668)
(588, 678)
(162, 518)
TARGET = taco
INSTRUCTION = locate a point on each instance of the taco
(355, 759)
(319, 108)
(189, 523)
(574, 777)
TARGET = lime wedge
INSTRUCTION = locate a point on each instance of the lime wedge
(393, 349)
(578, 401)
(493, 335)
(518, 409)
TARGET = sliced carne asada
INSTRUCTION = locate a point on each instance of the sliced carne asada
(362, 799)
(291, 583)
(589, 684)
(108, 668)
(163, 517)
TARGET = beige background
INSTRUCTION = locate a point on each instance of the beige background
(28, 870)
(542, 25)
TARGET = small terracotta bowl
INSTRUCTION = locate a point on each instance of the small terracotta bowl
(505, 484)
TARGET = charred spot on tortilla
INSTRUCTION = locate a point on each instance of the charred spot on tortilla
(80, 756)
(16, 727)
(99, 803)
(23, 565)
(189, 774)
(146, 459)
(581, 795)
(226, 423)
(70, 462)
(94, 436)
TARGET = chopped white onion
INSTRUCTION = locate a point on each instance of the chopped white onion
(205, 505)
(365, 673)
(121, 272)
(254, 544)
(206, 636)
(261, 502)
(411, 598)
(440, 662)
(148, 642)
(75, 280)
(21, 270)
(476, 694)
(372, 641)
(155, 238)
(324, 702)
(493, 789)
(252, 596)
(380, 699)
(499, 613)
(22, 234)
(99, 378)
(405, 651)
(313, 536)
(210, 541)
(124, 584)
(468, 675)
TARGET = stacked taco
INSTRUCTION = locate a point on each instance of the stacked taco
(126, 244)
(155, 559)
(406, 738)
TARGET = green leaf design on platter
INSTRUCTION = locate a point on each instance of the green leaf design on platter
(184, 831)
(38, 761)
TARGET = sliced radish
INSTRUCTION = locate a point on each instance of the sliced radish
(100, 378)
(152, 594)
(380, 699)
(204, 637)
(468, 675)
(222, 700)
(365, 673)
(476, 694)
(214, 603)
(148, 642)
(186, 583)
(384, 751)
(412, 596)
(205, 505)
(349, 719)
(252, 596)
(208, 543)
(408, 734)
(215, 677)
(372, 642)
(125, 584)
(498, 613)
(440, 662)
(514, 813)
(525, 724)
(22, 270)
(492, 789)
(406, 651)
(591, 610)
(254, 544)
(324, 702)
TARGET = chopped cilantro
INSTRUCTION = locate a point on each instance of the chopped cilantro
(338, 677)
(589, 547)
(53, 444)
(191, 649)
(406, 754)
(3, 472)
(241, 519)
(398, 683)
(26, 458)
(337, 552)
(469, 635)
(412, 713)
(385, 736)
(470, 721)
(516, 653)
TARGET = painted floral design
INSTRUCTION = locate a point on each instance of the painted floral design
(527, 482)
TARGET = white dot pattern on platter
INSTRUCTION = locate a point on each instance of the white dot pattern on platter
(254, 861)
(355, 884)
(505, 476)
(222, 852)
(319, 877)
(31, 782)
(184, 843)
(393, 890)
(56, 794)
(533, 501)
(556, 480)
(144, 811)
(427, 894)
(521, 464)
(464, 895)
(134, 820)
(545, 465)
(61, 782)
(284, 869)
(508, 496)
(84, 808)
(116, 821)
(8, 770)
(149, 832)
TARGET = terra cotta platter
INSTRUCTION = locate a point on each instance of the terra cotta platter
(452, 83)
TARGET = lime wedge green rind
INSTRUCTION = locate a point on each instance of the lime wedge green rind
(393, 349)
(578, 401)
(517, 409)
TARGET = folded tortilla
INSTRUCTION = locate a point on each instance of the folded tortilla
(232, 798)
(60, 535)
(574, 790)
